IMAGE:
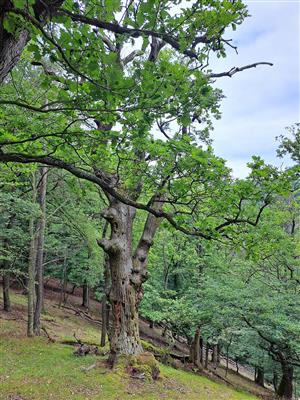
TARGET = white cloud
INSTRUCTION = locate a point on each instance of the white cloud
(260, 102)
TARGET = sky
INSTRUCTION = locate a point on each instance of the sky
(260, 103)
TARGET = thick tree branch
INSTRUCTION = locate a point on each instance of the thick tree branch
(109, 189)
(12, 44)
(140, 257)
(134, 32)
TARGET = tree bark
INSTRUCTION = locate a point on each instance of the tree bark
(195, 348)
(201, 350)
(127, 272)
(206, 355)
(13, 44)
(285, 388)
(43, 172)
(31, 267)
(166, 268)
(6, 270)
(105, 308)
(105, 311)
(218, 354)
(124, 333)
(64, 282)
(10, 51)
(260, 376)
(275, 381)
(6, 297)
(227, 355)
(215, 356)
(85, 296)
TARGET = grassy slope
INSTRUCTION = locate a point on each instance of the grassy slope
(34, 369)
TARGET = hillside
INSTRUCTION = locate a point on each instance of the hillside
(36, 369)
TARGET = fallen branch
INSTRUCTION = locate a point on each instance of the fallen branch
(82, 314)
(87, 369)
(50, 339)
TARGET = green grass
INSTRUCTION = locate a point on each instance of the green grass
(34, 369)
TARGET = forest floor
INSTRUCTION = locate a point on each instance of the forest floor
(37, 369)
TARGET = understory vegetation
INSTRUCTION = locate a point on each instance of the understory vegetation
(113, 199)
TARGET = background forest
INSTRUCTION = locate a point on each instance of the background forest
(110, 188)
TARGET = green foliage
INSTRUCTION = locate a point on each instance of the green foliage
(141, 123)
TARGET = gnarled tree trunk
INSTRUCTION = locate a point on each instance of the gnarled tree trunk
(123, 296)
(127, 273)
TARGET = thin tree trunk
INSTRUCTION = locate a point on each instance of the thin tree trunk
(105, 308)
(85, 296)
(43, 172)
(31, 267)
(72, 291)
(275, 381)
(25, 286)
(166, 268)
(285, 388)
(218, 354)
(260, 376)
(6, 271)
(201, 350)
(227, 356)
(227, 364)
(215, 356)
(206, 355)
(64, 282)
(195, 349)
(6, 297)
